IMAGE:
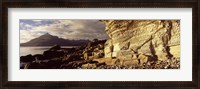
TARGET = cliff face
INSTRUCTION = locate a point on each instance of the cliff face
(129, 39)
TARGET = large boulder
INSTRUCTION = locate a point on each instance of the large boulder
(55, 48)
(39, 57)
(160, 38)
(27, 58)
(53, 54)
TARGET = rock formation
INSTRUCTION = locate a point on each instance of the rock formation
(142, 40)
(94, 50)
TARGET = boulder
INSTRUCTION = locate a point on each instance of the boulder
(53, 64)
(75, 57)
(94, 49)
(55, 48)
(27, 58)
(53, 54)
(39, 57)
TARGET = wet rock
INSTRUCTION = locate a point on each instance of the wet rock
(35, 65)
(73, 57)
(53, 54)
(39, 57)
(55, 48)
(28, 58)
(54, 64)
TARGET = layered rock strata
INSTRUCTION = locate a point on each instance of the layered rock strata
(142, 40)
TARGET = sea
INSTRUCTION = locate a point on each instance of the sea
(38, 49)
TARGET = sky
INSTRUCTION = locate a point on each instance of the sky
(67, 29)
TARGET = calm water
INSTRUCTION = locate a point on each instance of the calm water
(37, 50)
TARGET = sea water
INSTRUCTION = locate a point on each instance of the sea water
(37, 49)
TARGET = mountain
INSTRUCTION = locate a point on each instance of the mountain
(49, 40)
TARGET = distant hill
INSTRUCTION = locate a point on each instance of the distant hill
(49, 40)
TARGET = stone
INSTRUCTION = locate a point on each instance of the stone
(110, 61)
(108, 49)
(53, 64)
(126, 55)
(107, 61)
(142, 59)
(130, 62)
(88, 65)
(53, 54)
(55, 48)
(35, 65)
(94, 49)
(86, 56)
(39, 57)
(27, 58)
(175, 50)
(98, 54)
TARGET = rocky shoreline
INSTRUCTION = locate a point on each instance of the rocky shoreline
(91, 56)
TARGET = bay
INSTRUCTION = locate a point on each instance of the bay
(37, 49)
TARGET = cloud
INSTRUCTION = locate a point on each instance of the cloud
(67, 29)
(37, 20)
(26, 35)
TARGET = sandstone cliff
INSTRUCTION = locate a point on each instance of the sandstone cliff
(142, 40)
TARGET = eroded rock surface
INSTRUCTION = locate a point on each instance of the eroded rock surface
(142, 40)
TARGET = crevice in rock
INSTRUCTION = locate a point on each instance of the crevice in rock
(166, 38)
(151, 47)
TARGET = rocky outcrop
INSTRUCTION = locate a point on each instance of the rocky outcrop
(27, 58)
(70, 58)
(142, 40)
(94, 49)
